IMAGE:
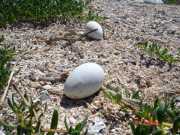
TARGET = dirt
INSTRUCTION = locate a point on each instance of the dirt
(45, 56)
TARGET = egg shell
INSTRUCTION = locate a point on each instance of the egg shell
(84, 81)
(97, 34)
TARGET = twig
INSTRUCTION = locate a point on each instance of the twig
(7, 87)
(56, 92)
(21, 95)
(58, 130)
(89, 32)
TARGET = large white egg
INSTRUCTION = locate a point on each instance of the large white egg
(94, 30)
(154, 1)
(84, 81)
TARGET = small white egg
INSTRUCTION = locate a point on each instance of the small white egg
(84, 81)
(94, 30)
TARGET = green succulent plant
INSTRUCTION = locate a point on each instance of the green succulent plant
(29, 116)
(78, 129)
(160, 118)
(156, 51)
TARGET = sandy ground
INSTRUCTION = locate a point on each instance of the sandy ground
(48, 56)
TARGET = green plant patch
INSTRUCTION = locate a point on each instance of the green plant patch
(6, 55)
(29, 115)
(162, 117)
(78, 129)
(171, 2)
(156, 51)
(39, 10)
(92, 15)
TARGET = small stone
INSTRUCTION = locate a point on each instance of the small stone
(35, 84)
(178, 105)
(44, 96)
(72, 120)
(177, 99)
(2, 133)
(177, 19)
(94, 30)
(97, 127)
(172, 30)
(47, 87)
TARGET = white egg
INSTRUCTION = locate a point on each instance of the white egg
(154, 1)
(84, 81)
(94, 30)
